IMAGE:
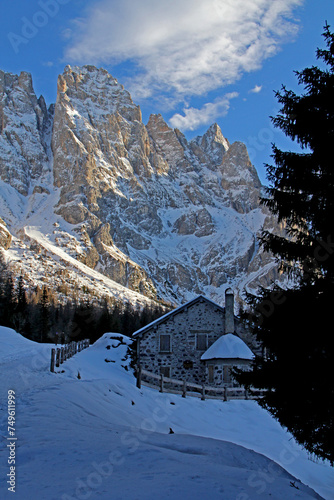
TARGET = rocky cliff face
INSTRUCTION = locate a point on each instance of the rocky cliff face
(24, 127)
(156, 213)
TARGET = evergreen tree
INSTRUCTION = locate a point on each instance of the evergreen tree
(115, 320)
(84, 322)
(129, 319)
(104, 319)
(293, 325)
(8, 300)
(302, 183)
(44, 319)
(3, 279)
(20, 318)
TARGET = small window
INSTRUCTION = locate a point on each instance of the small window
(165, 371)
(227, 374)
(211, 369)
(165, 343)
(201, 342)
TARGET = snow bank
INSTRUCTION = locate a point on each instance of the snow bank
(100, 437)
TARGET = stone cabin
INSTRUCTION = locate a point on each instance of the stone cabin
(199, 341)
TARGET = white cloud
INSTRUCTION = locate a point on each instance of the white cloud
(189, 45)
(256, 89)
(182, 48)
(194, 118)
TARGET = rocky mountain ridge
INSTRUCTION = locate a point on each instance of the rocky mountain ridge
(93, 187)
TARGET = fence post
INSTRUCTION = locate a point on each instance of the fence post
(225, 393)
(161, 383)
(139, 376)
(52, 366)
(203, 393)
(57, 358)
(61, 355)
(184, 389)
(246, 394)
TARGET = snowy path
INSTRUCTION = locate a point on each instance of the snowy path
(101, 438)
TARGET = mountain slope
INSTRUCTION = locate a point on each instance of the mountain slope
(160, 215)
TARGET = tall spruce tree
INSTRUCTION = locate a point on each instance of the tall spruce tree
(302, 183)
(20, 317)
(295, 325)
(44, 316)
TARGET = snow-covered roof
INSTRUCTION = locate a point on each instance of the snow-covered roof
(176, 311)
(228, 346)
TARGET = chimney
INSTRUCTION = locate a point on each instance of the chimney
(229, 311)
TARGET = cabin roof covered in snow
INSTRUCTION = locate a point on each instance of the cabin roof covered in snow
(172, 313)
(228, 346)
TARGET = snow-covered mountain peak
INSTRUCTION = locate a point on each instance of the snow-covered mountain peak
(93, 90)
(24, 155)
(213, 143)
(10, 80)
(161, 215)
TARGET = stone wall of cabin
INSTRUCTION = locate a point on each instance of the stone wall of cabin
(184, 359)
(222, 371)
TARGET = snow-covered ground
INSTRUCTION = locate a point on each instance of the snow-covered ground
(100, 437)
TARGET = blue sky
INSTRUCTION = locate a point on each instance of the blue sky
(194, 61)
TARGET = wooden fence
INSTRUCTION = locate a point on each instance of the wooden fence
(195, 390)
(59, 355)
